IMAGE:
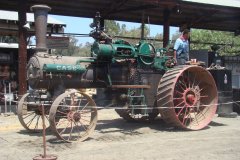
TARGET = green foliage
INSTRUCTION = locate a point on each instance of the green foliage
(204, 39)
(74, 49)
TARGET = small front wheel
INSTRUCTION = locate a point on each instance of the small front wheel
(73, 116)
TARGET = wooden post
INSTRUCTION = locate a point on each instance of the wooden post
(166, 27)
(142, 26)
(22, 49)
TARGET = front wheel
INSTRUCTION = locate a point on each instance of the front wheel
(73, 116)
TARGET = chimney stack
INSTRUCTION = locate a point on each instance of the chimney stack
(40, 18)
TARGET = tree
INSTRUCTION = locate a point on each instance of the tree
(205, 39)
(227, 42)
(75, 49)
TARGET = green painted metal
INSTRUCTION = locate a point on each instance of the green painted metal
(160, 63)
(137, 100)
(63, 68)
(144, 52)
(118, 49)
(84, 60)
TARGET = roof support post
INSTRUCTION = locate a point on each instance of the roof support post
(166, 27)
(22, 49)
(142, 26)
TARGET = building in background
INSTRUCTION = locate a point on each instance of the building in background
(9, 49)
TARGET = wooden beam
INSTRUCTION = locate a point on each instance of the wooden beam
(166, 27)
(22, 50)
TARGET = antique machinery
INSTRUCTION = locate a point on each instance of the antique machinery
(139, 81)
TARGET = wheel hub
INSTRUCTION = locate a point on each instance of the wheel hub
(74, 116)
(190, 98)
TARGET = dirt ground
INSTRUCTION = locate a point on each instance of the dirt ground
(115, 139)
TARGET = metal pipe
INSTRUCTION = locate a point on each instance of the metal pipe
(40, 18)
(10, 97)
(5, 96)
(44, 132)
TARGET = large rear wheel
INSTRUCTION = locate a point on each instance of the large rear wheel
(187, 97)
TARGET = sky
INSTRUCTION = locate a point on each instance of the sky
(81, 26)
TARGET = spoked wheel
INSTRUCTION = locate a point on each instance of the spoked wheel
(187, 97)
(29, 112)
(73, 116)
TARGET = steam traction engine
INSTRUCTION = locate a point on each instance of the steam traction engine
(138, 80)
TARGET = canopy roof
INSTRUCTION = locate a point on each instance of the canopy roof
(215, 14)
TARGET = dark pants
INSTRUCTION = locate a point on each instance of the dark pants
(181, 61)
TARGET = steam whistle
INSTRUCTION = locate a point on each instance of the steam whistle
(96, 32)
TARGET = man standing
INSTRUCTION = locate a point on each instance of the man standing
(181, 48)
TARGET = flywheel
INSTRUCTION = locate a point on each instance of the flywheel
(187, 97)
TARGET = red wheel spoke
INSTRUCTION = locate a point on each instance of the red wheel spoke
(84, 106)
(178, 104)
(181, 110)
(57, 123)
(178, 84)
(83, 125)
(190, 119)
(36, 126)
(179, 92)
(78, 128)
(85, 120)
(29, 115)
(196, 118)
(70, 134)
(184, 116)
(65, 128)
(31, 121)
(183, 83)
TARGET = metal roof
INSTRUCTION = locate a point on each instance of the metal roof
(13, 16)
(212, 14)
(229, 3)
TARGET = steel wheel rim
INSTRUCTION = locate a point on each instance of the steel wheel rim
(70, 120)
(192, 102)
(30, 120)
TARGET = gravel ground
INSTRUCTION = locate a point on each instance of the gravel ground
(115, 139)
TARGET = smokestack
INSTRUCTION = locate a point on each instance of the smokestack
(40, 17)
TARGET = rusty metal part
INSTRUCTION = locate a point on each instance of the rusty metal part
(29, 113)
(126, 113)
(73, 116)
(130, 86)
(44, 156)
(47, 157)
(40, 19)
(187, 97)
